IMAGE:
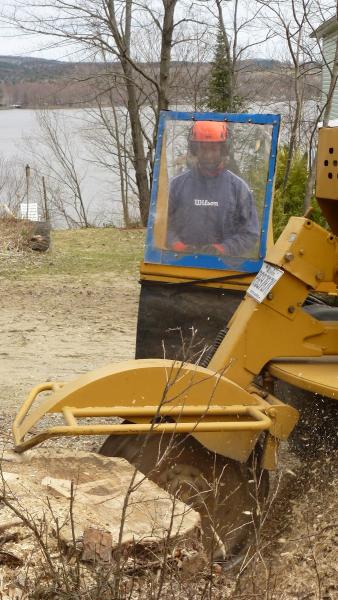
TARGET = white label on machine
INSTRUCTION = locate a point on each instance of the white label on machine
(264, 282)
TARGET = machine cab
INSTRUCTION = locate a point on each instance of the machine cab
(212, 191)
(209, 225)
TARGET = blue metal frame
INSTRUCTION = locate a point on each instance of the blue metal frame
(203, 261)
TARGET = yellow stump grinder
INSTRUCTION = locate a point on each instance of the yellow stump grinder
(233, 330)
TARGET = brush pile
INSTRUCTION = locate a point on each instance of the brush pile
(21, 235)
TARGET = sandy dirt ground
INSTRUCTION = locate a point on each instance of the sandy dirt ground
(57, 329)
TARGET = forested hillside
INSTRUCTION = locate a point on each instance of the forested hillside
(30, 82)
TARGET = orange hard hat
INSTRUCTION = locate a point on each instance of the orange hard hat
(209, 131)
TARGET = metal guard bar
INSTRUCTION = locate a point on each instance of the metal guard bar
(202, 424)
(47, 386)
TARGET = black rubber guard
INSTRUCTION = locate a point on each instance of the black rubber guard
(170, 313)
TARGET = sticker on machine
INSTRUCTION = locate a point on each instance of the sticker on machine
(264, 282)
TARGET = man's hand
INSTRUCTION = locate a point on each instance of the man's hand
(179, 247)
(187, 248)
(219, 248)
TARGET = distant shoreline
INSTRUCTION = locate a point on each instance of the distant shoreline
(50, 107)
(11, 107)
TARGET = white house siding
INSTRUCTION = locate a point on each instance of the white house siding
(329, 49)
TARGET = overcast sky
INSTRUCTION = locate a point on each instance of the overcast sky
(18, 44)
(15, 43)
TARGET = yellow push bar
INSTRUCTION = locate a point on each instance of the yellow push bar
(258, 422)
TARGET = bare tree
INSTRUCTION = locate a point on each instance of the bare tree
(111, 27)
(12, 185)
(293, 23)
(137, 41)
(239, 25)
(107, 134)
(290, 26)
(54, 154)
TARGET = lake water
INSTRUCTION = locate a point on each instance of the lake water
(100, 186)
(19, 129)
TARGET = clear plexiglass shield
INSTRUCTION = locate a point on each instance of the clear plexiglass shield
(212, 189)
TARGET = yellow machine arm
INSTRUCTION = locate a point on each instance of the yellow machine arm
(278, 327)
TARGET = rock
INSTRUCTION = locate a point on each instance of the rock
(40, 236)
(86, 493)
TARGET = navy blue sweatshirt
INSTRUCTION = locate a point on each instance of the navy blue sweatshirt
(212, 210)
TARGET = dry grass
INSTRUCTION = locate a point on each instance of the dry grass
(14, 235)
(73, 253)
